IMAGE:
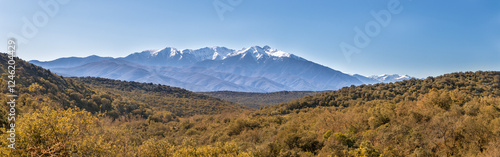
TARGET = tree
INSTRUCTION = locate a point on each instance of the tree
(49, 132)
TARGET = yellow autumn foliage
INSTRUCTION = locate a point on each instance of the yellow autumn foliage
(49, 132)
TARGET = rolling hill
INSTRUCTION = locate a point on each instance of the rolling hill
(104, 95)
(455, 114)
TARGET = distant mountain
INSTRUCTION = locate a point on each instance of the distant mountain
(68, 62)
(385, 78)
(172, 57)
(382, 78)
(101, 95)
(366, 80)
(192, 78)
(253, 69)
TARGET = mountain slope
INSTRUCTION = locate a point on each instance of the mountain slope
(38, 87)
(191, 78)
(411, 89)
(291, 71)
(59, 116)
(153, 97)
(68, 62)
(253, 69)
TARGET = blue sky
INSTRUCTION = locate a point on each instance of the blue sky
(425, 38)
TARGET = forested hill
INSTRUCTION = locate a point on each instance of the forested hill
(58, 116)
(179, 101)
(463, 85)
(39, 87)
(455, 114)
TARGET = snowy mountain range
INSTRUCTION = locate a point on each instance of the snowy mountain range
(173, 57)
(384, 78)
(253, 69)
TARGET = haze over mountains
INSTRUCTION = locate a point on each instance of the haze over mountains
(253, 69)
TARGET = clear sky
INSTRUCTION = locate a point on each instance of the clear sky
(422, 38)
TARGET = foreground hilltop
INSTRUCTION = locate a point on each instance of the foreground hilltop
(58, 115)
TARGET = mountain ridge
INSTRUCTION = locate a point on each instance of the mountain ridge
(252, 69)
(387, 78)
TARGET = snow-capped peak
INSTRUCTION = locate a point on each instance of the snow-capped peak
(401, 77)
(259, 52)
(390, 78)
(256, 51)
(209, 53)
(217, 53)
(275, 52)
(170, 50)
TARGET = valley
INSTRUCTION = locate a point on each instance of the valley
(259, 100)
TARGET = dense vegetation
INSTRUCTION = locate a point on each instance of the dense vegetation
(469, 84)
(258, 100)
(39, 87)
(57, 115)
(455, 114)
(156, 97)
